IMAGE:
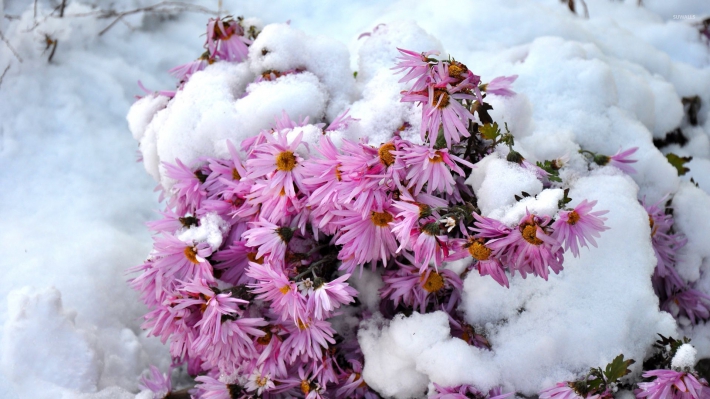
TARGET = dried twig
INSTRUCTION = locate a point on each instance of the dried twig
(54, 48)
(61, 8)
(2, 37)
(164, 6)
(3, 73)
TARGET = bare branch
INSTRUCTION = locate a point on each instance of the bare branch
(61, 9)
(164, 6)
(7, 68)
(54, 48)
(2, 37)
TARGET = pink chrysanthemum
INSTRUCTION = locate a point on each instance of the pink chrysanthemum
(500, 86)
(328, 296)
(621, 160)
(671, 384)
(183, 72)
(432, 167)
(307, 339)
(277, 161)
(157, 382)
(690, 303)
(366, 239)
(417, 67)
(270, 239)
(529, 248)
(275, 287)
(187, 192)
(574, 228)
(211, 388)
(225, 39)
(564, 390)
(441, 107)
(430, 246)
(665, 244)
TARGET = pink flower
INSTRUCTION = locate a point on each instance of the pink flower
(430, 246)
(270, 239)
(366, 239)
(485, 262)
(665, 245)
(225, 39)
(563, 390)
(183, 72)
(621, 160)
(529, 248)
(671, 384)
(307, 339)
(274, 286)
(441, 107)
(157, 382)
(417, 67)
(278, 163)
(187, 192)
(417, 289)
(500, 86)
(211, 388)
(176, 260)
(432, 167)
(690, 303)
(574, 228)
(328, 296)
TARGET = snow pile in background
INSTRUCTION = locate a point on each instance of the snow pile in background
(75, 201)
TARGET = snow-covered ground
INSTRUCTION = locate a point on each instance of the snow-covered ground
(74, 201)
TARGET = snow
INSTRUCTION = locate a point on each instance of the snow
(496, 182)
(684, 358)
(75, 201)
(585, 309)
(211, 230)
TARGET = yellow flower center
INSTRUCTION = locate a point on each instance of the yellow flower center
(441, 99)
(236, 175)
(437, 157)
(433, 283)
(285, 161)
(573, 218)
(456, 69)
(385, 155)
(266, 338)
(479, 251)
(285, 289)
(305, 387)
(191, 255)
(252, 258)
(530, 234)
(381, 219)
(301, 325)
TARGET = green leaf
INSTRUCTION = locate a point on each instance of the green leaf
(678, 163)
(489, 131)
(618, 368)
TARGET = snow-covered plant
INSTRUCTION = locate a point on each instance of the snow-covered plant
(279, 206)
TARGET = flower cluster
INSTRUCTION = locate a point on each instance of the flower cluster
(676, 295)
(253, 256)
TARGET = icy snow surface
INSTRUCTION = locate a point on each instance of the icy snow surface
(74, 201)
